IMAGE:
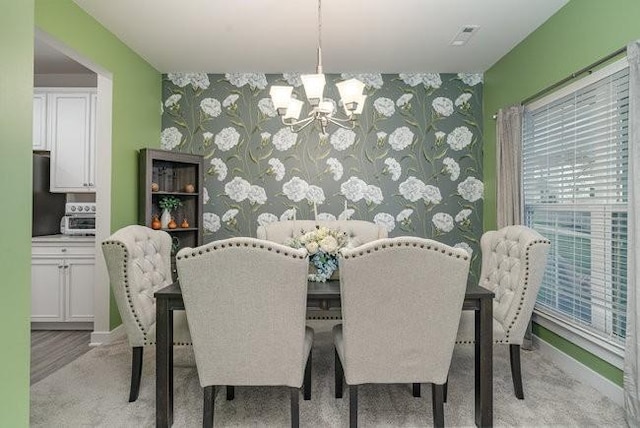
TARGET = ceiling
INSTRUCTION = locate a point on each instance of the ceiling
(48, 60)
(271, 36)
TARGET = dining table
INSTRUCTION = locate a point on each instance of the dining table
(326, 296)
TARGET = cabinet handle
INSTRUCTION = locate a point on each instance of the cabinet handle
(60, 266)
(66, 266)
(64, 250)
(90, 184)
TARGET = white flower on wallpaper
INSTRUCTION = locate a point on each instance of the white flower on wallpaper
(429, 80)
(452, 168)
(207, 137)
(353, 189)
(412, 189)
(205, 196)
(404, 216)
(295, 189)
(172, 100)
(373, 194)
(227, 139)
(463, 215)
(411, 79)
(346, 214)
(197, 80)
(211, 107)
(315, 195)
(211, 222)
(266, 107)
(443, 106)
(287, 214)
(254, 80)
(230, 100)
(384, 106)
(293, 79)
(443, 222)
(229, 217)
(334, 105)
(385, 220)
(237, 189)
(257, 195)
(471, 189)
(381, 135)
(266, 218)
(342, 139)
(465, 247)
(276, 168)
(401, 138)
(393, 168)
(463, 100)
(459, 138)
(264, 137)
(471, 79)
(220, 168)
(371, 80)
(284, 139)
(170, 138)
(431, 194)
(439, 136)
(404, 100)
(335, 168)
(326, 217)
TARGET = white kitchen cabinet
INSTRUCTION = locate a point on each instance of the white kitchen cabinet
(62, 282)
(40, 141)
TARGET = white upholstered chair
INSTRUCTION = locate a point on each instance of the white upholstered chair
(359, 231)
(401, 304)
(513, 264)
(245, 300)
(138, 261)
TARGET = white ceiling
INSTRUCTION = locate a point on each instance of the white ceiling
(271, 36)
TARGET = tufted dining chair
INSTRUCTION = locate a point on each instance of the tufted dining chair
(246, 301)
(513, 264)
(401, 304)
(138, 262)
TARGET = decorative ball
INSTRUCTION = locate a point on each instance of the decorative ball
(189, 188)
(155, 187)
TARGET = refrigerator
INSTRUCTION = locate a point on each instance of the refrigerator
(48, 208)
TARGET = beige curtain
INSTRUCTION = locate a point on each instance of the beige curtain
(509, 166)
(632, 345)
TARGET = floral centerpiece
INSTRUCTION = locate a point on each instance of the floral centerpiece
(323, 245)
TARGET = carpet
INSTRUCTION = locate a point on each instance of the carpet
(93, 391)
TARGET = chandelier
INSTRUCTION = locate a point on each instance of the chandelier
(289, 108)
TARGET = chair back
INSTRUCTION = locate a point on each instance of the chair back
(401, 305)
(359, 232)
(139, 263)
(513, 264)
(246, 302)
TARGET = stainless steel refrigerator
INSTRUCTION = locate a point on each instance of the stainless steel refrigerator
(48, 208)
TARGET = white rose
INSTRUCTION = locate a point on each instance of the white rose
(404, 100)
(463, 215)
(329, 244)
(237, 189)
(412, 189)
(276, 168)
(442, 222)
(257, 195)
(219, 168)
(172, 100)
(384, 106)
(266, 107)
(211, 107)
(170, 138)
(295, 189)
(342, 139)
(393, 168)
(463, 100)
(230, 100)
(227, 138)
(431, 194)
(459, 138)
(465, 247)
(284, 139)
(293, 79)
(452, 168)
(373, 194)
(266, 218)
(312, 247)
(471, 79)
(385, 220)
(353, 189)
(315, 194)
(211, 222)
(230, 215)
(335, 167)
(471, 189)
(400, 138)
(205, 196)
(443, 106)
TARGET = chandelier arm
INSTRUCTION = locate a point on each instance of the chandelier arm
(334, 119)
(341, 122)
(303, 123)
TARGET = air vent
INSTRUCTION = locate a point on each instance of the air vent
(463, 36)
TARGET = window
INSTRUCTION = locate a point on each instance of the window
(575, 193)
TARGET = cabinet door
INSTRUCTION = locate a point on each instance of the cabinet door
(79, 289)
(40, 122)
(47, 290)
(69, 130)
(91, 152)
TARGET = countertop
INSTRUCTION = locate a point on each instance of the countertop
(61, 239)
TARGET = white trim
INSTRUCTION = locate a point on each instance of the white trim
(602, 349)
(104, 337)
(579, 371)
(605, 71)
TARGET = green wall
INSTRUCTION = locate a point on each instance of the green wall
(16, 107)
(136, 100)
(579, 34)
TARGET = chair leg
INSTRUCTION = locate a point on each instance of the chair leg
(307, 378)
(338, 375)
(445, 388)
(295, 407)
(136, 372)
(353, 406)
(231, 392)
(207, 412)
(416, 390)
(516, 371)
(437, 396)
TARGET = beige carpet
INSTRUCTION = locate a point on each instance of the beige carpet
(93, 391)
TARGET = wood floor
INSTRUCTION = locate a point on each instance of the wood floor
(54, 349)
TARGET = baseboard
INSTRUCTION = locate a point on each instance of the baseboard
(580, 371)
(74, 325)
(104, 337)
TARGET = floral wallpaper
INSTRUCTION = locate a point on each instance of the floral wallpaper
(412, 163)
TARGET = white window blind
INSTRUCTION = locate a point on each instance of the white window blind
(575, 193)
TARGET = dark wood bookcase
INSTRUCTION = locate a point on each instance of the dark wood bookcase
(174, 173)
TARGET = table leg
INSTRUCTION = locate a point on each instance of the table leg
(484, 364)
(164, 372)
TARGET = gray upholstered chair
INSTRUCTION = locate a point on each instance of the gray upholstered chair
(359, 232)
(138, 261)
(401, 304)
(245, 300)
(513, 264)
